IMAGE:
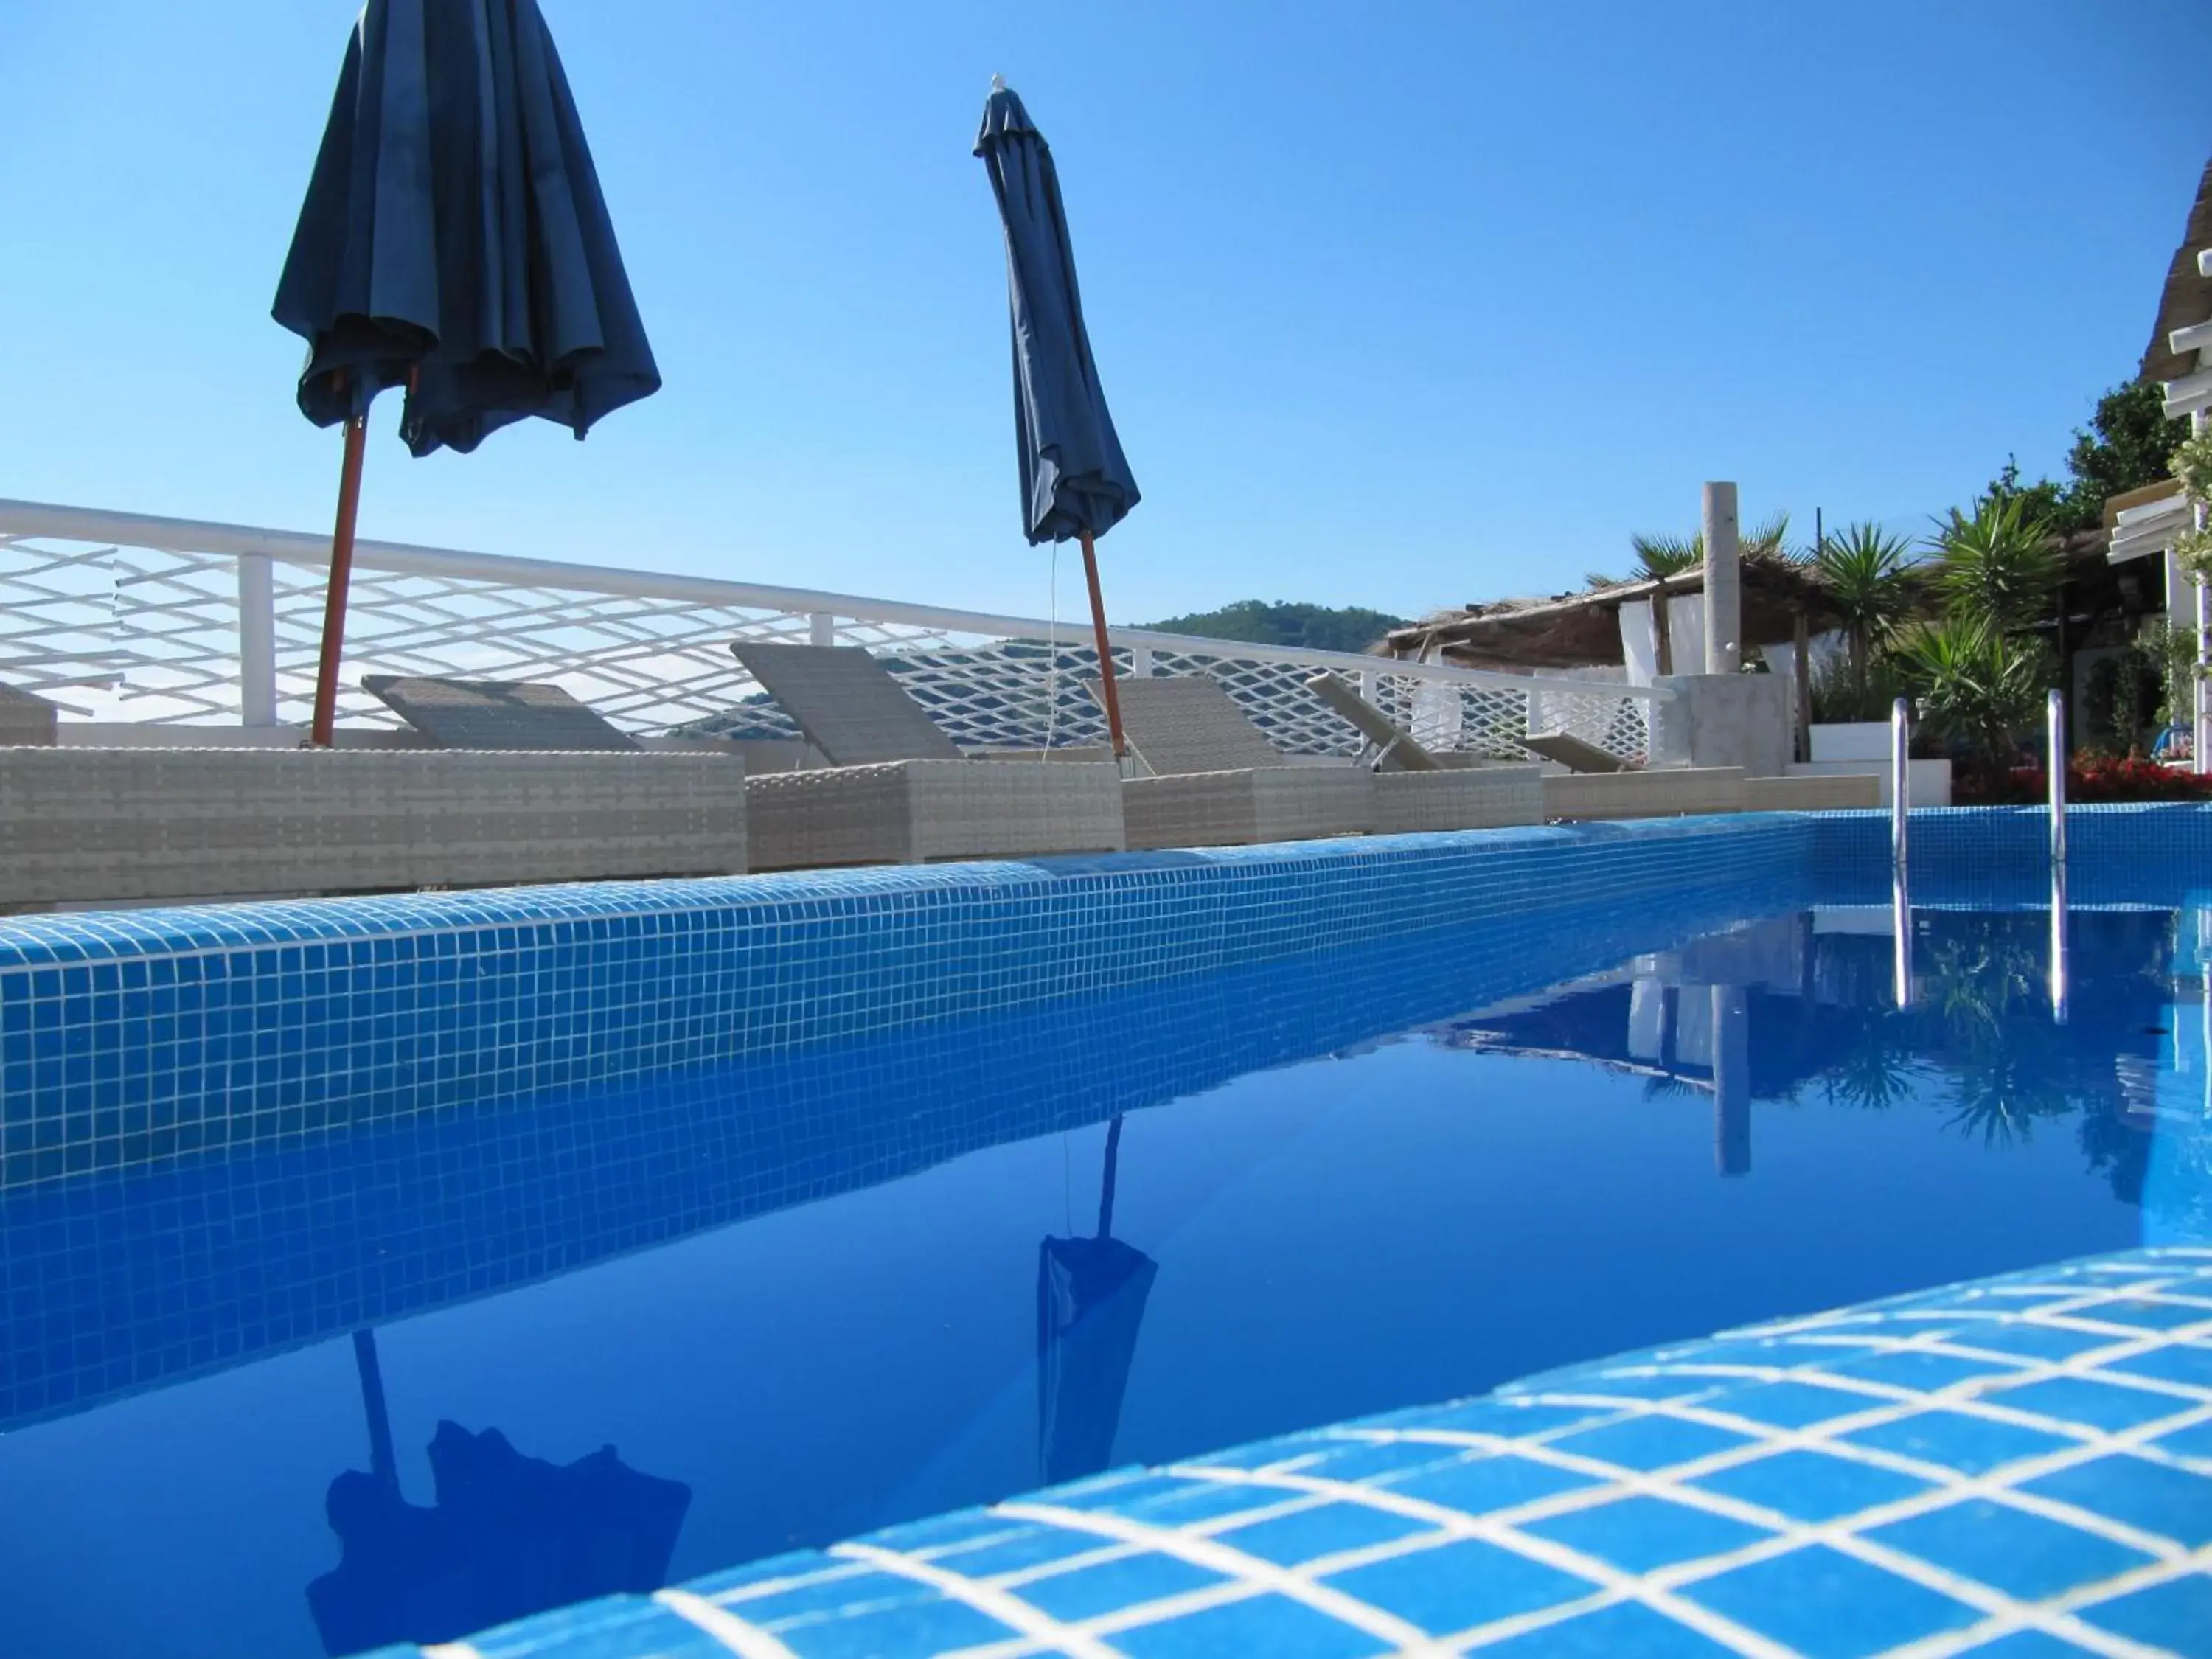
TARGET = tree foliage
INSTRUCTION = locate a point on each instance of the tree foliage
(2000, 565)
(1863, 570)
(1976, 684)
(1659, 556)
(2125, 446)
(1312, 627)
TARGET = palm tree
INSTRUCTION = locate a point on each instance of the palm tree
(2002, 566)
(1975, 683)
(1863, 570)
(1659, 556)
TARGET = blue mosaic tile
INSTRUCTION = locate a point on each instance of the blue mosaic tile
(1651, 1443)
(1642, 1534)
(1607, 1633)
(135, 1038)
(1484, 1547)
(2151, 1498)
(243, 1025)
(1484, 1485)
(2026, 1645)
(370, 1222)
(1797, 1405)
(2027, 1556)
(923, 1624)
(1273, 1624)
(1827, 1605)
(1458, 1586)
(1811, 1485)
(2105, 1403)
(1960, 1441)
(1090, 1592)
(1291, 1540)
(2176, 1615)
(164, 1074)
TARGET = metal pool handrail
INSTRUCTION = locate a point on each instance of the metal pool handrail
(2054, 719)
(1901, 777)
(2054, 712)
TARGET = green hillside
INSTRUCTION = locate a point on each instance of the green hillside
(1315, 627)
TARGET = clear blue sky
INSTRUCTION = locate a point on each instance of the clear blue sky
(1396, 304)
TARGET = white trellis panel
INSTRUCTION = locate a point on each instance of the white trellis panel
(121, 617)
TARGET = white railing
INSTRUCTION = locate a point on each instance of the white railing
(122, 616)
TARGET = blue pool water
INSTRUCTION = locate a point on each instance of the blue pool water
(820, 1291)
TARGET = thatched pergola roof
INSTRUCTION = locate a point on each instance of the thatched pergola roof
(1578, 630)
(2187, 298)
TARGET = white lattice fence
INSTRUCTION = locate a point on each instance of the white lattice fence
(163, 622)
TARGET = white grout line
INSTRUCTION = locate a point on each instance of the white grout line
(1259, 1576)
(1490, 1529)
(2064, 1607)
(1245, 1576)
(1009, 1610)
(760, 1586)
(746, 1641)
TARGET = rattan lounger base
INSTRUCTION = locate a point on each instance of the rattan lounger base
(1667, 792)
(110, 824)
(1813, 792)
(1492, 798)
(919, 811)
(1247, 806)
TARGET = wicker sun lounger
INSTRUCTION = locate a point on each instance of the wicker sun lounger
(1394, 749)
(898, 790)
(493, 713)
(1573, 752)
(1665, 792)
(99, 825)
(1223, 782)
(1217, 781)
(1813, 792)
(1414, 791)
(25, 718)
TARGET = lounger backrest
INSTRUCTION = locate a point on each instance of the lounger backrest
(1187, 723)
(493, 713)
(25, 720)
(846, 703)
(1572, 752)
(1398, 750)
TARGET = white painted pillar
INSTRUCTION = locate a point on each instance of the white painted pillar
(257, 642)
(821, 629)
(1367, 684)
(1140, 662)
(1724, 581)
(1731, 1081)
(2201, 692)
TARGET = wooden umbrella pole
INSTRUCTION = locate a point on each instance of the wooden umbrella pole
(334, 602)
(1105, 650)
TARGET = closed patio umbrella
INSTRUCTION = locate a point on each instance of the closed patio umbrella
(1090, 1305)
(1075, 480)
(454, 241)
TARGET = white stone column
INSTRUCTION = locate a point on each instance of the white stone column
(1731, 1081)
(257, 642)
(1724, 582)
(2201, 690)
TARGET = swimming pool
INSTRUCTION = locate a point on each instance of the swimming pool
(963, 1235)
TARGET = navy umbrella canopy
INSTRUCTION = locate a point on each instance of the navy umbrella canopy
(454, 241)
(1075, 480)
(1090, 1308)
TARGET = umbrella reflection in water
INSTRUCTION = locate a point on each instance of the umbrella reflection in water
(507, 1534)
(1091, 1302)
